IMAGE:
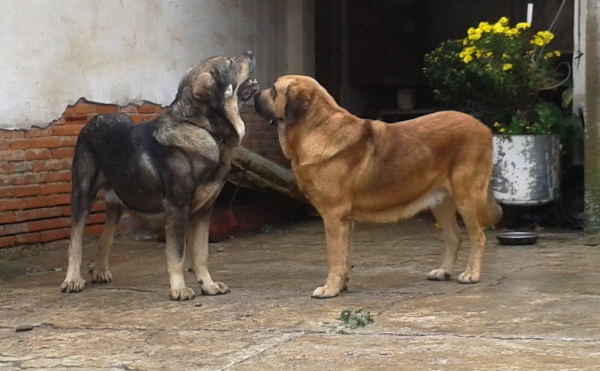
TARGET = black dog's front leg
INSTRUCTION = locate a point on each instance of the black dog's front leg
(176, 221)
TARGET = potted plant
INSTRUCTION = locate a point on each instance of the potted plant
(501, 75)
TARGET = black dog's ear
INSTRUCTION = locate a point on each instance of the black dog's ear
(203, 86)
(297, 104)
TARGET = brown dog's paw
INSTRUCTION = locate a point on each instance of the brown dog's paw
(73, 285)
(184, 293)
(99, 275)
(468, 277)
(325, 292)
(439, 275)
(215, 288)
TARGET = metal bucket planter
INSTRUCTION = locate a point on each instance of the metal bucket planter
(526, 169)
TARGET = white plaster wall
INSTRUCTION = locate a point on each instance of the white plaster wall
(579, 25)
(57, 51)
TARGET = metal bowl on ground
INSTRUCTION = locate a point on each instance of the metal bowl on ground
(517, 238)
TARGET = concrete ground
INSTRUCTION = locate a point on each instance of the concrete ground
(537, 307)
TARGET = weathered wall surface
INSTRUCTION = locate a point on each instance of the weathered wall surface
(118, 52)
(119, 56)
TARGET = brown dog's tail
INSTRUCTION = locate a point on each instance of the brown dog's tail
(492, 212)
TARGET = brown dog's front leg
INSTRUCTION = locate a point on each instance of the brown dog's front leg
(338, 240)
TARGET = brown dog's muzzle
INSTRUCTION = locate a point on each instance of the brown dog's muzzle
(264, 106)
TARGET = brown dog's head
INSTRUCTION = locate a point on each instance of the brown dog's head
(287, 100)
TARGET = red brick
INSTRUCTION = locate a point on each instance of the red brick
(54, 234)
(59, 200)
(44, 213)
(26, 179)
(38, 132)
(44, 142)
(96, 218)
(34, 202)
(7, 192)
(55, 188)
(7, 241)
(99, 206)
(37, 154)
(65, 130)
(68, 141)
(65, 152)
(55, 223)
(147, 108)
(27, 190)
(8, 155)
(25, 238)
(10, 204)
(54, 164)
(107, 108)
(94, 229)
(11, 134)
(7, 218)
(84, 108)
(56, 176)
(4, 144)
(15, 228)
(74, 119)
(130, 108)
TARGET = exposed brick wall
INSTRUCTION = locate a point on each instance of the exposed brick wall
(35, 175)
(261, 137)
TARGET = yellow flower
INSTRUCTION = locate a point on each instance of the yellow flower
(512, 32)
(505, 56)
(478, 53)
(542, 38)
(498, 28)
(467, 59)
(502, 130)
(475, 36)
(548, 55)
(503, 21)
(556, 53)
(496, 124)
(507, 66)
(485, 27)
(523, 25)
(489, 54)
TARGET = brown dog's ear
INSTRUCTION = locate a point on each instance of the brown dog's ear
(297, 104)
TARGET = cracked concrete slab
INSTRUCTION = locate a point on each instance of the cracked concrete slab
(535, 309)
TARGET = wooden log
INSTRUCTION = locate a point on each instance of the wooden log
(252, 170)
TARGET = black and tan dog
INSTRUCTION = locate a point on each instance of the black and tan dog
(353, 169)
(175, 164)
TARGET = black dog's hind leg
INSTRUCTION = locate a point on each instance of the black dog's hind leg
(114, 209)
(176, 221)
(197, 239)
(86, 182)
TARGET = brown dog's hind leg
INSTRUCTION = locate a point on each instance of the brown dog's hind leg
(445, 214)
(176, 220)
(99, 269)
(338, 240)
(470, 215)
(197, 238)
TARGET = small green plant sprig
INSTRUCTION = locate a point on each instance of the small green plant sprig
(356, 318)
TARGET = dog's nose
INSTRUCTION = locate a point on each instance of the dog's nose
(249, 54)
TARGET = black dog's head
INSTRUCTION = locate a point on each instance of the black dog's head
(207, 86)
